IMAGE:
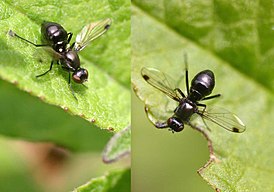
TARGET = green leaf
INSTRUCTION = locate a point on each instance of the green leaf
(111, 182)
(26, 117)
(106, 101)
(118, 147)
(234, 40)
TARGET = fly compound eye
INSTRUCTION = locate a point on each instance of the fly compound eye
(80, 76)
(175, 124)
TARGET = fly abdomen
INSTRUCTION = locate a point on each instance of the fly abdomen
(201, 85)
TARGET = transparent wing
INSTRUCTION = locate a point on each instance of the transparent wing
(55, 55)
(224, 119)
(158, 106)
(91, 32)
(160, 81)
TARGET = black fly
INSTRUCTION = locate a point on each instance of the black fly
(201, 87)
(55, 39)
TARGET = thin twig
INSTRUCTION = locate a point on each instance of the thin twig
(212, 157)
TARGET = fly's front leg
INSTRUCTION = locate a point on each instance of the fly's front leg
(69, 83)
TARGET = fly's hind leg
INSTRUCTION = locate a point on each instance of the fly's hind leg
(51, 64)
(201, 113)
(157, 124)
(161, 125)
(13, 34)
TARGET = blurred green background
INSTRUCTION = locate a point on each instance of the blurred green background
(162, 161)
(27, 165)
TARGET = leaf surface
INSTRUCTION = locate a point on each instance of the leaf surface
(232, 40)
(106, 100)
(111, 182)
(118, 147)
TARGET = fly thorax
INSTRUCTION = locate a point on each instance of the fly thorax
(185, 110)
(60, 47)
(194, 95)
(70, 60)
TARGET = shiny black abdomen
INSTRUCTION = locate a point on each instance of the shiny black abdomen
(54, 35)
(201, 85)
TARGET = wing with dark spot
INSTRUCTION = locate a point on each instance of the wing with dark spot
(91, 32)
(160, 81)
(224, 119)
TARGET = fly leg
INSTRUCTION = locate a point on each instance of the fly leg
(51, 64)
(211, 97)
(162, 125)
(158, 125)
(202, 105)
(180, 92)
(69, 36)
(69, 83)
(12, 34)
(201, 113)
(186, 73)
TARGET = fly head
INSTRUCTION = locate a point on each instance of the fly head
(80, 75)
(175, 124)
